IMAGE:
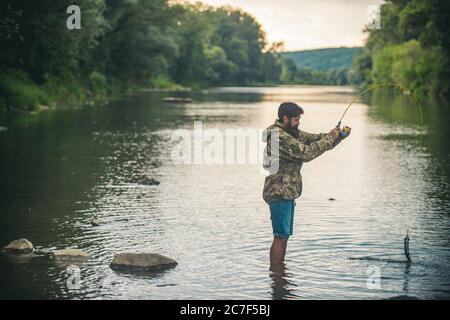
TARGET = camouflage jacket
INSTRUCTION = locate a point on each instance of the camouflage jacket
(294, 147)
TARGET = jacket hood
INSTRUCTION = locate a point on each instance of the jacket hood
(277, 124)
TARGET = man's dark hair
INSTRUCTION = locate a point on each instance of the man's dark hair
(289, 109)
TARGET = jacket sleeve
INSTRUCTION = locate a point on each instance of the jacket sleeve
(312, 137)
(336, 142)
(293, 149)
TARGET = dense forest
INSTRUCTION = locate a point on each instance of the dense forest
(125, 45)
(412, 47)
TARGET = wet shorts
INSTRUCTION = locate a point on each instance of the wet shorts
(282, 216)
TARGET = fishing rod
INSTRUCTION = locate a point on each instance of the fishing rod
(346, 130)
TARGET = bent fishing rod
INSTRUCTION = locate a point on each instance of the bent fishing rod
(346, 130)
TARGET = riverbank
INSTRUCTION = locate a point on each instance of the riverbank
(19, 93)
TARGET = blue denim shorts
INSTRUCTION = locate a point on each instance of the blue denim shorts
(282, 216)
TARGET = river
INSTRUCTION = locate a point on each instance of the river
(62, 167)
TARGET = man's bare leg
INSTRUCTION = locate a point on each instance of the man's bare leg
(285, 246)
(278, 251)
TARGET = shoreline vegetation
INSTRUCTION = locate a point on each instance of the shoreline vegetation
(411, 48)
(129, 46)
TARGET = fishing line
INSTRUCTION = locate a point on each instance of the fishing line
(395, 85)
(419, 109)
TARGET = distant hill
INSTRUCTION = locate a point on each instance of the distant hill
(323, 59)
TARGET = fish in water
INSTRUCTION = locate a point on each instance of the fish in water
(406, 246)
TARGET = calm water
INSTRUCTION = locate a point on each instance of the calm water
(60, 168)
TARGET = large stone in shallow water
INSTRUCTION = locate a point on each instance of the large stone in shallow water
(141, 262)
(19, 246)
(69, 254)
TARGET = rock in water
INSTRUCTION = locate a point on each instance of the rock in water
(69, 254)
(147, 181)
(41, 107)
(141, 262)
(19, 246)
(177, 99)
(96, 222)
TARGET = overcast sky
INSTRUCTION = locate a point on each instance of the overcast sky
(308, 24)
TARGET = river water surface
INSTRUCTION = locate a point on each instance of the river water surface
(61, 168)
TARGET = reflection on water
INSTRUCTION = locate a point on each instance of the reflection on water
(282, 287)
(61, 168)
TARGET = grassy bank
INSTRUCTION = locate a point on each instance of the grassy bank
(18, 92)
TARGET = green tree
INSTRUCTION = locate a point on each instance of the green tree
(140, 41)
(35, 37)
(412, 47)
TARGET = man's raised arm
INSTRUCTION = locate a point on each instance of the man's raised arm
(293, 149)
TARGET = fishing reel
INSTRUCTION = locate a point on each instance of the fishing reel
(344, 132)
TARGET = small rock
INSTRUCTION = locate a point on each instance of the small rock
(19, 246)
(147, 181)
(41, 107)
(3, 129)
(96, 222)
(69, 254)
(141, 262)
(155, 163)
(177, 99)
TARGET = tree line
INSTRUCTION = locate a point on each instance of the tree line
(412, 47)
(126, 44)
